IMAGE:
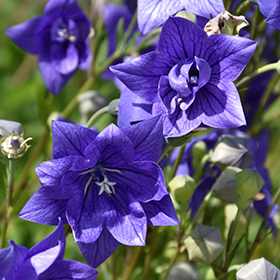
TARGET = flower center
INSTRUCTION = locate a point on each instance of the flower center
(98, 175)
(64, 30)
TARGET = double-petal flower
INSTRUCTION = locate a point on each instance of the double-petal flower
(107, 186)
(59, 38)
(188, 79)
(44, 261)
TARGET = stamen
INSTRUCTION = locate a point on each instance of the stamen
(87, 171)
(112, 170)
(87, 184)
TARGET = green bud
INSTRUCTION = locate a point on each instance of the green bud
(113, 109)
(182, 188)
(225, 185)
(199, 150)
(204, 244)
(248, 183)
(187, 15)
(14, 146)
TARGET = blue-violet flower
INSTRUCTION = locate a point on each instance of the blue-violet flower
(189, 78)
(107, 186)
(59, 38)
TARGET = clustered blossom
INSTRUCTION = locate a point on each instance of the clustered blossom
(59, 38)
(188, 80)
(107, 186)
(153, 13)
(44, 261)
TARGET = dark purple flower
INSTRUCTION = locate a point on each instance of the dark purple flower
(189, 79)
(271, 10)
(153, 13)
(60, 40)
(44, 261)
(107, 186)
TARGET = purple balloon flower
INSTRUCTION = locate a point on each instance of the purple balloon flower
(153, 13)
(60, 40)
(107, 186)
(271, 10)
(189, 79)
(44, 261)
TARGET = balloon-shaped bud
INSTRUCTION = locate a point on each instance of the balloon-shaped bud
(224, 187)
(258, 269)
(8, 127)
(182, 188)
(231, 150)
(183, 271)
(204, 244)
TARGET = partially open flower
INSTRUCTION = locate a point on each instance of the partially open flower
(14, 146)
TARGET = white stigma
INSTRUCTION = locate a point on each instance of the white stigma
(106, 186)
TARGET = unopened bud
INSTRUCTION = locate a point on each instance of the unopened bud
(232, 150)
(14, 146)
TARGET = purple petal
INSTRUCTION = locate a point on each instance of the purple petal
(86, 214)
(161, 213)
(221, 106)
(204, 71)
(274, 15)
(6, 261)
(65, 59)
(19, 254)
(55, 238)
(43, 209)
(142, 74)
(43, 260)
(147, 139)
(65, 181)
(70, 139)
(266, 6)
(115, 147)
(127, 222)
(132, 108)
(231, 56)
(153, 13)
(52, 78)
(29, 35)
(54, 6)
(142, 180)
(97, 252)
(66, 269)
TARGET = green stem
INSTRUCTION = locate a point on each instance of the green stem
(263, 102)
(246, 4)
(170, 265)
(258, 236)
(255, 24)
(129, 269)
(10, 181)
(177, 162)
(147, 37)
(96, 115)
(229, 5)
(266, 68)
(230, 239)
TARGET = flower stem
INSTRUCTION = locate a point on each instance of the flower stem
(10, 181)
(266, 68)
(177, 162)
(96, 115)
(258, 236)
(129, 269)
(230, 239)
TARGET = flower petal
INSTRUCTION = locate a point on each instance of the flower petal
(66, 269)
(231, 56)
(70, 139)
(147, 139)
(274, 16)
(161, 213)
(6, 261)
(64, 57)
(97, 252)
(45, 212)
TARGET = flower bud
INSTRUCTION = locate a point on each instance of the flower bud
(232, 150)
(14, 146)
(225, 186)
(8, 127)
(225, 23)
(182, 188)
(183, 271)
(204, 244)
(258, 269)
(199, 150)
(187, 15)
